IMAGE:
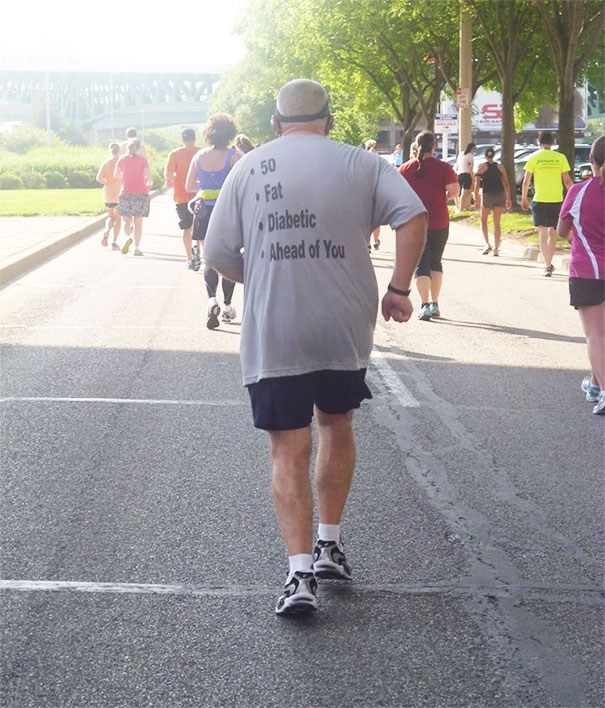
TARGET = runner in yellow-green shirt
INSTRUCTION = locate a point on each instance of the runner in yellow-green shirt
(550, 171)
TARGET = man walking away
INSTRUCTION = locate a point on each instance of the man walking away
(302, 208)
(175, 173)
(550, 170)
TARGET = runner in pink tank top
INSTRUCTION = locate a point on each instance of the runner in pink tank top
(582, 222)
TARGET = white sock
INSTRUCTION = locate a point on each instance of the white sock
(329, 532)
(301, 561)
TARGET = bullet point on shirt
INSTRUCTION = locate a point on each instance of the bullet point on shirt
(260, 226)
(257, 197)
(252, 171)
(262, 254)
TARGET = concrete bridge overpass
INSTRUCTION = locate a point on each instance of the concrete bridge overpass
(107, 102)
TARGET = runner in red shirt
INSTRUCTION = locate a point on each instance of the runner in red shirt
(434, 182)
(175, 173)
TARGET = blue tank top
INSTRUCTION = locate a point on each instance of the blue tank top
(212, 181)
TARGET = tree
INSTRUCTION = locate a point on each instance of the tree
(574, 29)
(511, 29)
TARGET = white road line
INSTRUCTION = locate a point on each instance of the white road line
(144, 401)
(117, 286)
(393, 381)
(97, 326)
(589, 594)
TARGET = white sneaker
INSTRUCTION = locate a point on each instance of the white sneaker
(487, 249)
(213, 313)
(300, 594)
(229, 313)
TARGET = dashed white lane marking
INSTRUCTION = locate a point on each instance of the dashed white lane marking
(392, 381)
(138, 401)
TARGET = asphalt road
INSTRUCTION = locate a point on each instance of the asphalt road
(141, 559)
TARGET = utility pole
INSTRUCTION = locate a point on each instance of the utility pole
(47, 92)
(465, 84)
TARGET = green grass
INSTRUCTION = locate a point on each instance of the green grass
(51, 202)
(515, 224)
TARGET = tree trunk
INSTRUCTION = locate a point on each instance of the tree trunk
(566, 121)
(508, 134)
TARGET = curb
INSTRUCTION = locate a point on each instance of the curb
(19, 264)
(513, 249)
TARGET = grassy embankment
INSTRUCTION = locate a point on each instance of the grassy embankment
(516, 225)
(51, 202)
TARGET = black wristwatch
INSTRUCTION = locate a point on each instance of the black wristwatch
(397, 291)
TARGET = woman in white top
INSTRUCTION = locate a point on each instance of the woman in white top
(464, 169)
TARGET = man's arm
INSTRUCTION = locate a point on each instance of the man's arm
(409, 244)
(169, 171)
(232, 272)
(524, 188)
(567, 180)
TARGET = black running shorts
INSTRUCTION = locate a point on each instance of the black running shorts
(286, 402)
(185, 216)
(464, 180)
(546, 213)
(201, 219)
(586, 292)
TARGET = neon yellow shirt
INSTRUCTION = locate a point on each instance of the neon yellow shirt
(547, 166)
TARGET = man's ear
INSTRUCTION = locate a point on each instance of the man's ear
(329, 124)
(276, 125)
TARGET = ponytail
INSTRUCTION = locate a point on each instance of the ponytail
(425, 142)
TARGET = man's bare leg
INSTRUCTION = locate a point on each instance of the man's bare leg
(187, 243)
(291, 487)
(548, 243)
(334, 464)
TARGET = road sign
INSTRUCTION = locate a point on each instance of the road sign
(463, 97)
(446, 122)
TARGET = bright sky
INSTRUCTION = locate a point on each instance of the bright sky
(119, 34)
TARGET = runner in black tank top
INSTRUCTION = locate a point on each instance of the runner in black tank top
(495, 196)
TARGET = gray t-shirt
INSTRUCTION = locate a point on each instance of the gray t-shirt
(303, 209)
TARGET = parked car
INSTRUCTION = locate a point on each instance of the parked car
(582, 172)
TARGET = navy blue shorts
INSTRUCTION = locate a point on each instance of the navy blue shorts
(546, 213)
(286, 402)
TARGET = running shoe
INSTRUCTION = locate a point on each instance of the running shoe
(126, 246)
(190, 264)
(487, 249)
(115, 247)
(300, 594)
(214, 311)
(496, 252)
(425, 313)
(376, 245)
(329, 561)
(551, 268)
(434, 310)
(599, 409)
(105, 238)
(592, 390)
(137, 252)
(229, 314)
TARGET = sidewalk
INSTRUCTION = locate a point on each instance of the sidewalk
(27, 241)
